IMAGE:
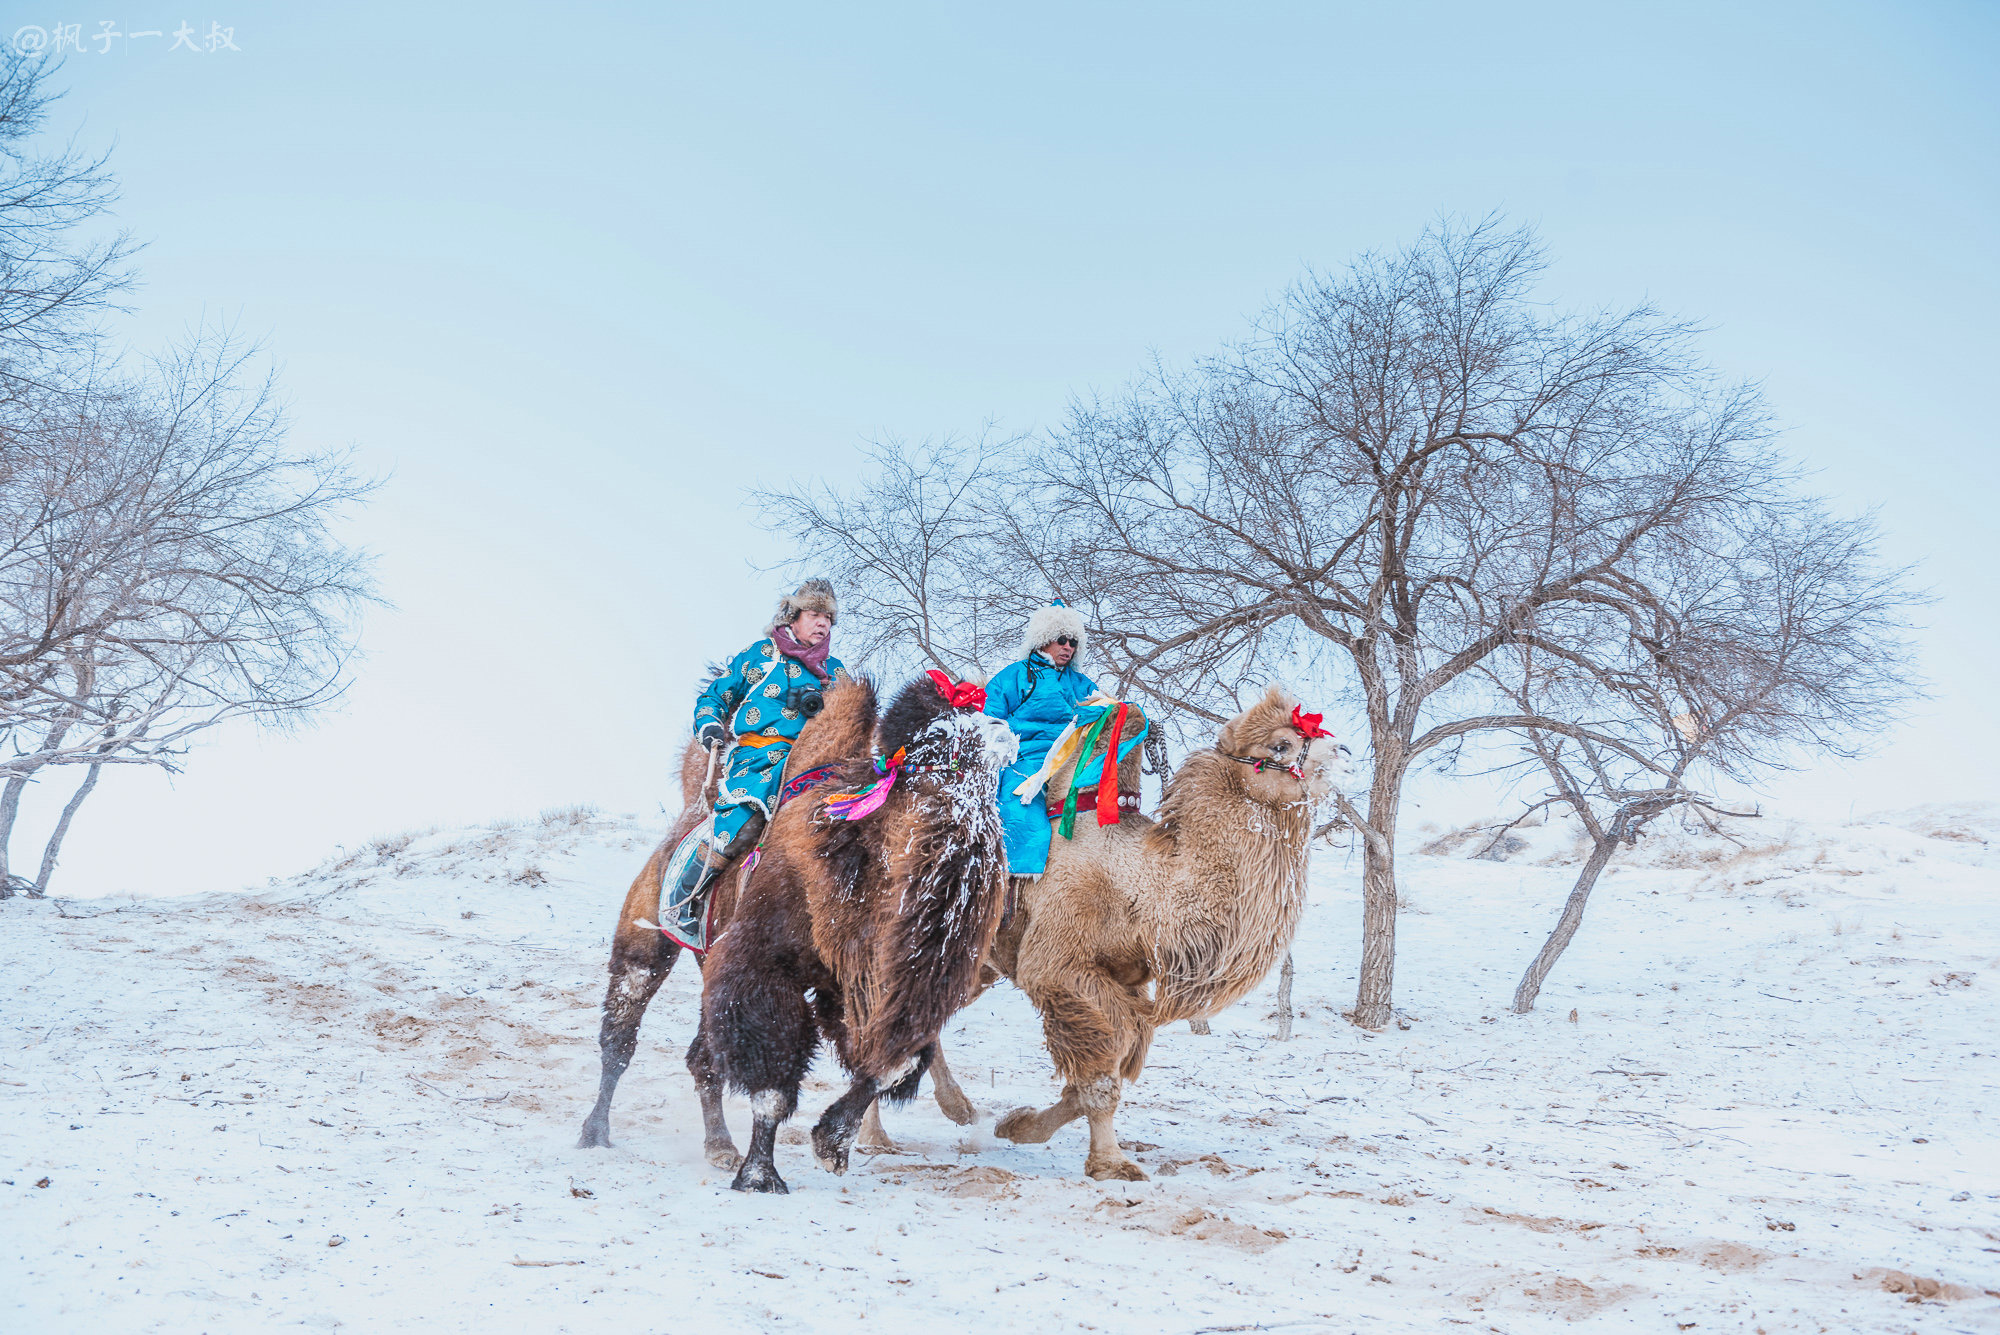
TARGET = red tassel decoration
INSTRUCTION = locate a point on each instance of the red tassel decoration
(1107, 778)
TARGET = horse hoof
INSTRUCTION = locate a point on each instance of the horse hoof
(765, 1179)
(1019, 1127)
(1115, 1170)
(723, 1156)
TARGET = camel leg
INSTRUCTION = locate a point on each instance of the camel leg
(717, 1146)
(1106, 1162)
(1025, 1126)
(758, 1031)
(758, 1172)
(951, 1100)
(1084, 1024)
(635, 977)
(872, 1139)
(834, 1134)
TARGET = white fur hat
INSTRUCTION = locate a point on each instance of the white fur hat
(1047, 623)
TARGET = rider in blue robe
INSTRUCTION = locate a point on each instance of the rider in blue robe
(1036, 697)
(762, 699)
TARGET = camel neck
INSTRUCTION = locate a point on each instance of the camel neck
(1228, 910)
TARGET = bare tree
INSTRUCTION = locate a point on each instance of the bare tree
(1408, 467)
(1408, 473)
(911, 551)
(167, 563)
(1782, 641)
(53, 280)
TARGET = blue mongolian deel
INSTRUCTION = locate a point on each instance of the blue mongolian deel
(1036, 699)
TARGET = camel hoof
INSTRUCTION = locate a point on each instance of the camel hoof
(830, 1152)
(759, 1177)
(957, 1107)
(1019, 1127)
(596, 1136)
(723, 1156)
(1116, 1170)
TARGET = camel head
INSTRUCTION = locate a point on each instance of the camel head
(923, 723)
(1282, 762)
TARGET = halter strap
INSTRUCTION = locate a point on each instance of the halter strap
(1259, 764)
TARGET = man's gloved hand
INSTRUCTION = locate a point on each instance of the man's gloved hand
(711, 735)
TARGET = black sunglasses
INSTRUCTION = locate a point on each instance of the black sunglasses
(1065, 641)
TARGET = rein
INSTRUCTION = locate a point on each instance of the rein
(1260, 765)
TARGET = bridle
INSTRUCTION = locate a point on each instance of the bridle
(1259, 764)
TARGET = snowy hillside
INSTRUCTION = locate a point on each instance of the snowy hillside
(1759, 1094)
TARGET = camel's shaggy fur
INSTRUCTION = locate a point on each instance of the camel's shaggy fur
(1144, 922)
(868, 932)
(642, 957)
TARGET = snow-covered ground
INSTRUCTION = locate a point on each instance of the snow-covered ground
(1758, 1095)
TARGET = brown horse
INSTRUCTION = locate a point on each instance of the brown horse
(642, 957)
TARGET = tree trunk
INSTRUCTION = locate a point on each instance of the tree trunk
(10, 807)
(1572, 918)
(54, 846)
(1285, 1000)
(1378, 900)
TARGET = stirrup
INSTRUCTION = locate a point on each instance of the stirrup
(685, 893)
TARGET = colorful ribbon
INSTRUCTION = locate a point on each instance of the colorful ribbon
(1107, 774)
(1065, 746)
(1107, 771)
(868, 798)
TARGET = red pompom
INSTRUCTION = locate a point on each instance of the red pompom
(1308, 724)
(958, 694)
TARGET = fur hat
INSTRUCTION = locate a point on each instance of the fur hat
(1058, 618)
(814, 595)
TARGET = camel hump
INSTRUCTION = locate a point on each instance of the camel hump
(1064, 776)
(840, 731)
(694, 766)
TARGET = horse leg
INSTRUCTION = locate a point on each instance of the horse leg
(1106, 1161)
(951, 1100)
(717, 1147)
(636, 974)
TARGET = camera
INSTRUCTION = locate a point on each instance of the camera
(807, 700)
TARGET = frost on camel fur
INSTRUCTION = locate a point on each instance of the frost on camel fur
(865, 922)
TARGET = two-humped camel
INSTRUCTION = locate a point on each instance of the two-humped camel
(1144, 922)
(642, 957)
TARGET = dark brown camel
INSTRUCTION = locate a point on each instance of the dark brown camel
(869, 930)
(641, 958)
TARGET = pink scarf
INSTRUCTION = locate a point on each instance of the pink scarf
(814, 658)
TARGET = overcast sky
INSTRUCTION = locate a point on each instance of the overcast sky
(572, 277)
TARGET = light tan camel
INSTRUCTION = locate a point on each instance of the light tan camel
(1141, 923)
